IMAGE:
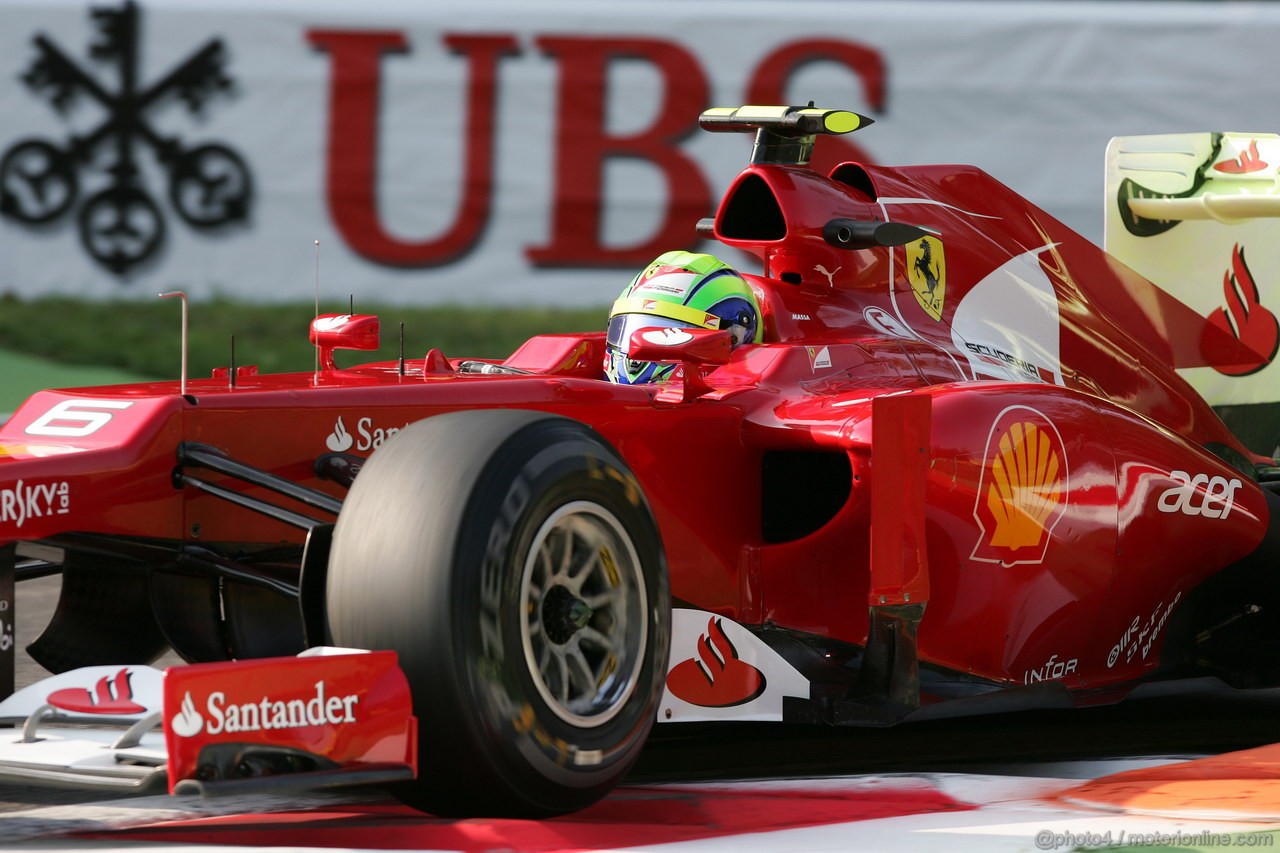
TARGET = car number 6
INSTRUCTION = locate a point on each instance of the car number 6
(79, 418)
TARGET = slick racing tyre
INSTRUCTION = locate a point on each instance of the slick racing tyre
(511, 560)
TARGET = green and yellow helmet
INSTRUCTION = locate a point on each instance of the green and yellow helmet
(680, 290)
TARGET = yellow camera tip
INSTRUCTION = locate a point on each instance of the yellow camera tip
(840, 121)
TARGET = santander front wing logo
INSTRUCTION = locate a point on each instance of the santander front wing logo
(721, 671)
(347, 706)
(112, 695)
(219, 716)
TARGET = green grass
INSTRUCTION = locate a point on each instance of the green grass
(24, 375)
(142, 338)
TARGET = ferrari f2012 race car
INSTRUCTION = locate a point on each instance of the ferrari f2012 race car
(957, 472)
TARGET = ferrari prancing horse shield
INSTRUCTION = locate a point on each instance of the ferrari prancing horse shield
(927, 272)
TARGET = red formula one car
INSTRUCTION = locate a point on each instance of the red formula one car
(957, 473)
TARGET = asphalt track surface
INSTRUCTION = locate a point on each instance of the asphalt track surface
(1175, 726)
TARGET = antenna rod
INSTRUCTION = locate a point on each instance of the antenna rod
(402, 349)
(317, 314)
(182, 385)
(231, 372)
(351, 304)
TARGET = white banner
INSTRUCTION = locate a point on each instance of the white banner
(517, 152)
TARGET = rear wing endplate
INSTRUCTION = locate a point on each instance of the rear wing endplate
(1196, 213)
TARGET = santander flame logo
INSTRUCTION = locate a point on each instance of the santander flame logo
(187, 722)
(1245, 319)
(1247, 162)
(330, 324)
(111, 695)
(717, 678)
(339, 440)
(667, 337)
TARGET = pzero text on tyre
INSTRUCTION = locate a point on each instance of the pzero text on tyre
(512, 561)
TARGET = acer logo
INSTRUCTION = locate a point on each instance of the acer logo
(264, 714)
(111, 695)
(717, 677)
(1211, 497)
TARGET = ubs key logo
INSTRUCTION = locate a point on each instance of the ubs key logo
(121, 225)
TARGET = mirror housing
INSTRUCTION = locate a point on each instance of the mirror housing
(693, 348)
(688, 346)
(331, 332)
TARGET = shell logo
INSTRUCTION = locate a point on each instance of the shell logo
(1023, 488)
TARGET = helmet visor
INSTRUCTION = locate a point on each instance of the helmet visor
(623, 326)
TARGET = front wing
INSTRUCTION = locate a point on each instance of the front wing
(329, 717)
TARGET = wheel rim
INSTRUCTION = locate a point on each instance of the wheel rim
(584, 614)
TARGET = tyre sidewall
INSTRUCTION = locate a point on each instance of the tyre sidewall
(542, 468)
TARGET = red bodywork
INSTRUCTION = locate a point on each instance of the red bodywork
(1011, 443)
(352, 709)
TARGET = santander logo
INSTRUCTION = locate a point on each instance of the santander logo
(667, 337)
(1245, 319)
(111, 695)
(339, 440)
(187, 722)
(717, 677)
(329, 324)
(1247, 162)
(221, 716)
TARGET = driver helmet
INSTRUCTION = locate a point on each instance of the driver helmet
(679, 290)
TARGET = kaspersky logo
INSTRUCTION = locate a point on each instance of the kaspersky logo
(717, 677)
(1022, 490)
(220, 716)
